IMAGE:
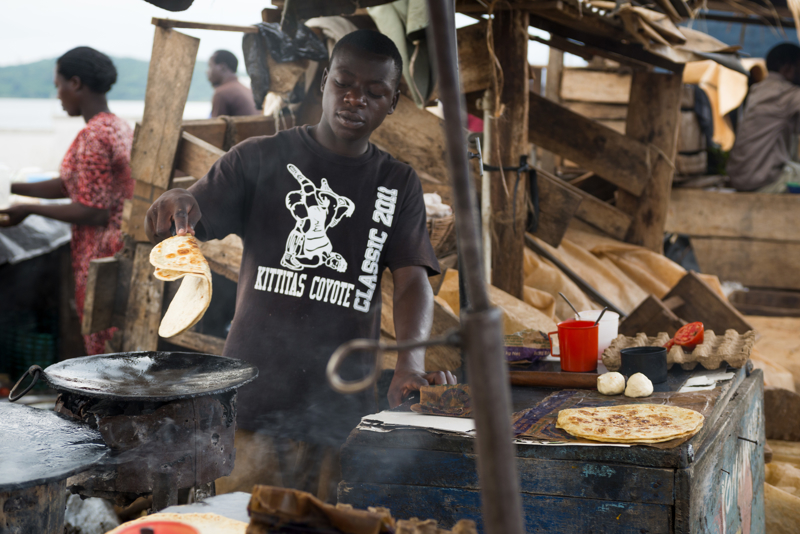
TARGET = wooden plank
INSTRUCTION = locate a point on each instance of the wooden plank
(241, 128)
(508, 142)
(595, 86)
(542, 513)
(604, 217)
(618, 158)
(168, 80)
(766, 303)
(200, 342)
(195, 156)
(143, 314)
(414, 136)
(474, 64)
(651, 317)
(552, 91)
(691, 164)
(738, 215)
(558, 203)
(592, 110)
(169, 23)
(701, 303)
(183, 182)
(764, 264)
(658, 126)
(588, 480)
(224, 256)
(209, 130)
(101, 287)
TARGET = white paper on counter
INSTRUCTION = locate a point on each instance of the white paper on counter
(386, 421)
(706, 380)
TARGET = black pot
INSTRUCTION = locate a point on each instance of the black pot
(650, 361)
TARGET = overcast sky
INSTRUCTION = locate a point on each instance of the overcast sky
(31, 30)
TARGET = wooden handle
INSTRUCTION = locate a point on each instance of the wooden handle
(554, 380)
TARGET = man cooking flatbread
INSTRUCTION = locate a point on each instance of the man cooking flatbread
(322, 212)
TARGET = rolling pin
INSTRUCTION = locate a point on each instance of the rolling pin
(554, 380)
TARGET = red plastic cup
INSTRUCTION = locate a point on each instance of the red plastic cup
(161, 527)
(577, 342)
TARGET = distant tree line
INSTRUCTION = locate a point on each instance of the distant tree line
(35, 80)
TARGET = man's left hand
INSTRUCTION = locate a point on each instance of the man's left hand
(405, 381)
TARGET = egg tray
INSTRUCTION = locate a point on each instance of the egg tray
(732, 348)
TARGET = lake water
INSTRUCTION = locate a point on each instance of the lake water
(36, 133)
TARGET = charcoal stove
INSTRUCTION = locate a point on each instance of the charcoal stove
(39, 450)
(168, 418)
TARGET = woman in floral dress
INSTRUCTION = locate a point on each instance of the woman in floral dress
(95, 172)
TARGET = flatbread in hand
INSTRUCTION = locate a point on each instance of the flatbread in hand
(631, 423)
(175, 258)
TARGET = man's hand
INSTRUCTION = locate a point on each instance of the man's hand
(406, 381)
(176, 205)
(14, 215)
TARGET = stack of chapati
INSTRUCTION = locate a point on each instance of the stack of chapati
(180, 257)
(631, 423)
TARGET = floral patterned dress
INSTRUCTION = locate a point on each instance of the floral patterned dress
(96, 172)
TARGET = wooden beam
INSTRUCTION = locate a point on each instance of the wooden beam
(224, 256)
(168, 81)
(169, 23)
(143, 314)
(195, 156)
(209, 130)
(754, 263)
(595, 86)
(592, 110)
(200, 342)
(658, 126)
(241, 128)
(474, 63)
(414, 136)
(736, 215)
(702, 303)
(552, 91)
(616, 157)
(558, 202)
(101, 288)
(592, 210)
(509, 141)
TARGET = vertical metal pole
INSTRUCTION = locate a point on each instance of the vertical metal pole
(481, 324)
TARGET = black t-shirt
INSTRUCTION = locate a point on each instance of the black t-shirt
(318, 230)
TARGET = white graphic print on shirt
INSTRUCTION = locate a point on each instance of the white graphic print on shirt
(315, 209)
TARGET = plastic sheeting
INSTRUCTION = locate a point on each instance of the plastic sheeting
(33, 237)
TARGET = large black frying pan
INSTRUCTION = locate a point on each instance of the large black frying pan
(152, 376)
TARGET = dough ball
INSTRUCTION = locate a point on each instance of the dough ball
(611, 383)
(639, 386)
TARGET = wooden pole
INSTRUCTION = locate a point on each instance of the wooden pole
(552, 91)
(509, 140)
(653, 118)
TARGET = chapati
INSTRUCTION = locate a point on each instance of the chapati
(175, 258)
(630, 423)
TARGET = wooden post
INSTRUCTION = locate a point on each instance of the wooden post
(509, 141)
(653, 118)
(552, 91)
(143, 313)
(156, 141)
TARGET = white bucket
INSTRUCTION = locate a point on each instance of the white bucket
(608, 328)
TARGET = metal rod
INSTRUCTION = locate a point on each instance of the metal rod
(481, 324)
(748, 439)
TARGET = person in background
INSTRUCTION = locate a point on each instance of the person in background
(760, 160)
(95, 173)
(230, 96)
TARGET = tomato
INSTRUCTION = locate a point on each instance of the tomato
(4, 392)
(689, 336)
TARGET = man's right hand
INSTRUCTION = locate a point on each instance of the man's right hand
(176, 205)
